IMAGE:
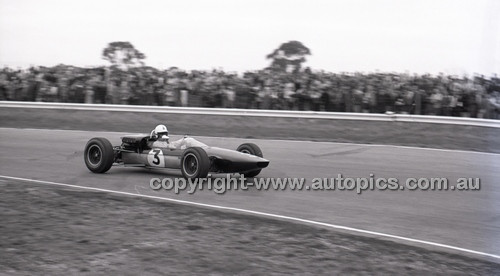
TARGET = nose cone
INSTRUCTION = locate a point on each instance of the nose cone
(250, 158)
(236, 161)
(233, 155)
(262, 164)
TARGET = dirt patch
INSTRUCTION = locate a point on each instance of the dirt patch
(61, 231)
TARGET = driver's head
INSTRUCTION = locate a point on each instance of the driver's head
(161, 131)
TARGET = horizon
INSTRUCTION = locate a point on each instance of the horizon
(417, 37)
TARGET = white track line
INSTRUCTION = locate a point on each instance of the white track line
(378, 234)
(277, 140)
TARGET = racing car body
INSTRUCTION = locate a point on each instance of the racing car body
(194, 158)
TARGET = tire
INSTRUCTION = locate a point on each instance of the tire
(253, 149)
(195, 163)
(99, 155)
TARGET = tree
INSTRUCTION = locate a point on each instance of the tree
(123, 54)
(289, 55)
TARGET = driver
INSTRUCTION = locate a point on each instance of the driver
(159, 139)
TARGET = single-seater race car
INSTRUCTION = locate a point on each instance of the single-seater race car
(192, 157)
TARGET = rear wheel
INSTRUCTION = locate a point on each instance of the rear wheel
(253, 149)
(99, 155)
(195, 163)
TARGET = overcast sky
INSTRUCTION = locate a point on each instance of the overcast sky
(450, 36)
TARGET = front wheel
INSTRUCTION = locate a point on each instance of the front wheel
(99, 155)
(253, 149)
(195, 163)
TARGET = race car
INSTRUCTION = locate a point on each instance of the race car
(194, 158)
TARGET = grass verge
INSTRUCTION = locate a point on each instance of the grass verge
(62, 231)
(386, 133)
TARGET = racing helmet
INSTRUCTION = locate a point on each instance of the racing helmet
(160, 131)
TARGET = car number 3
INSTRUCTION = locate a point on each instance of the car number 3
(155, 158)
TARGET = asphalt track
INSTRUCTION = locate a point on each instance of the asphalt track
(467, 219)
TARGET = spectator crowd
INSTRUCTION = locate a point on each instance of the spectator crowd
(475, 96)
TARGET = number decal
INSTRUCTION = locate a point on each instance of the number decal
(155, 158)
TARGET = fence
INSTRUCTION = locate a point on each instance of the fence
(388, 117)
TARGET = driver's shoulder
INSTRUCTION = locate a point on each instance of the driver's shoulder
(158, 144)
